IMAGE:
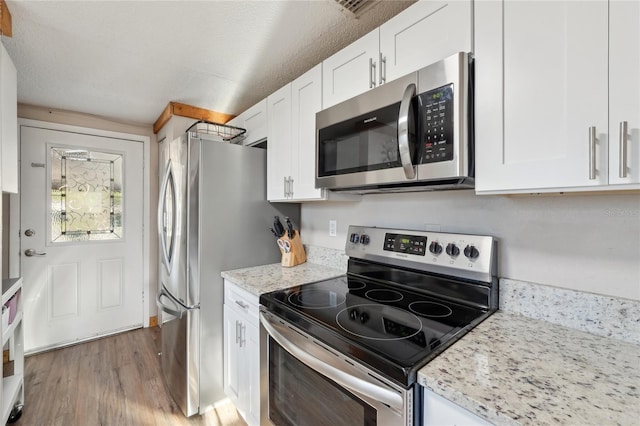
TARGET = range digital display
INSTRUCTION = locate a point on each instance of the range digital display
(410, 244)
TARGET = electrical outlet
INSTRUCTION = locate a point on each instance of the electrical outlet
(333, 228)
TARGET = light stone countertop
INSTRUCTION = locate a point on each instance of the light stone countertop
(513, 370)
(510, 369)
(266, 278)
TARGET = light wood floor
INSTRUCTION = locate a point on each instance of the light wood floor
(111, 381)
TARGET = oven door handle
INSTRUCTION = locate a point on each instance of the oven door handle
(403, 132)
(354, 380)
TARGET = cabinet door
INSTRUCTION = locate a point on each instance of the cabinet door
(624, 91)
(541, 84)
(439, 411)
(254, 120)
(306, 101)
(435, 29)
(232, 361)
(8, 122)
(251, 355)
(348, 72)
(279, 156)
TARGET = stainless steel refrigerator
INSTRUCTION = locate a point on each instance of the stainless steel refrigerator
(212, 216)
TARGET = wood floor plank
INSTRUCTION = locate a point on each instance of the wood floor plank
(116, 380)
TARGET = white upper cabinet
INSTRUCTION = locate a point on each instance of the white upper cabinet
(350, 71)
(422, 34)
(306, 101)
(624, 92)
(279, 155)
(8, 122)
(542, 95)
(291, 153)
(254, 121)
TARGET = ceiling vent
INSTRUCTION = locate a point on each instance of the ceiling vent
(355, 7)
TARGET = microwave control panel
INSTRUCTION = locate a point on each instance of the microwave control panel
(436, 125)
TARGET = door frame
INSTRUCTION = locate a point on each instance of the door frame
(14, 212)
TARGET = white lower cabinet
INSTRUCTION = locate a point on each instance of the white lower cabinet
(439, 411)
(12, 388)
(242, 351)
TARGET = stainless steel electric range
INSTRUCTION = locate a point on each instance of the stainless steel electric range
(347, 350)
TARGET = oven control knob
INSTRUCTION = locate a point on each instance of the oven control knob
(452, 250)
(354, 238)
(354, 314)
(435, 247)
(471, 252)
(364, 239)
(364, 317)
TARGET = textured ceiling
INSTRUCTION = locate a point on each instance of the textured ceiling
(126, 60)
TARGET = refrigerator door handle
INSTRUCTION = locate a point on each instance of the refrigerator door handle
(168, 309)
(162, 216)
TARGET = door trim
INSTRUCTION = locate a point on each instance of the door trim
(149, 291)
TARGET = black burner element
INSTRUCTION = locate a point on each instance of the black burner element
(379, 322)
(430, 309)
(356, 284)
(384, 295)
(316, 299)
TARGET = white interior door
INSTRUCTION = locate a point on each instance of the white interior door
(81, 238)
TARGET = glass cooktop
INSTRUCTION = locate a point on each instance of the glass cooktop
(392, 329)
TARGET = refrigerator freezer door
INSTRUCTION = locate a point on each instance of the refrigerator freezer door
(180, 354)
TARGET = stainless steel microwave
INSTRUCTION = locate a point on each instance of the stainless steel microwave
(413, 133)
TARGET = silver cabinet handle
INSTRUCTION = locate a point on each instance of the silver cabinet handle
(372, 73)
(592, 153)
(623, 149)
(383, 64)
(285, 186)
(403, 132)
(237, 332)
(243, 332)
(242, 304)
(290, 187)
(33, 252)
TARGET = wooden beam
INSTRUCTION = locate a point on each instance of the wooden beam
(162, 120)
(5, 19)
(184, 110)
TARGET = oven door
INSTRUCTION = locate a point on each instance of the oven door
(369, 139)
(303, 382)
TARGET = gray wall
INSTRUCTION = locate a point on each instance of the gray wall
(585, 242)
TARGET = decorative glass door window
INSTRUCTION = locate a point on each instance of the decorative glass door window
(86, 195)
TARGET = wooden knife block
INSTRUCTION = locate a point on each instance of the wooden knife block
(297, 254)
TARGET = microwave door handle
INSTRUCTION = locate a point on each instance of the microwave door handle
(403, 132)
